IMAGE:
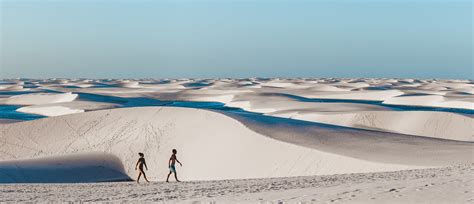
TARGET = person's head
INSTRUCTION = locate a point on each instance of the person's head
(141, 154)
(174, 151)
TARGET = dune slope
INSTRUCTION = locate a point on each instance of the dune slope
(377, 146)
(433, 124)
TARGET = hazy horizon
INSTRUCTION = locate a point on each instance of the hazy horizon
(236, 39)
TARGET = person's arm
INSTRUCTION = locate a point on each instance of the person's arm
(136, 165)
(169, 163)
(144, 163)
(178, 161)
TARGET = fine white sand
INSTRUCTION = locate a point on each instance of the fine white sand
(441, 185)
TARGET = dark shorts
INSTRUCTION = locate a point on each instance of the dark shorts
(172, 168)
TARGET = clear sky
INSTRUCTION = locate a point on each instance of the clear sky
(246, 38)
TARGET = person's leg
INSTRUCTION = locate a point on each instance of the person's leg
(144, 176)
(176, 176)
(139, 175)
(167, 178)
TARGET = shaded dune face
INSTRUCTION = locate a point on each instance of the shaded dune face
(91, 167)
(212, 146)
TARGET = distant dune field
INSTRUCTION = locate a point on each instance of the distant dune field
(76, 130)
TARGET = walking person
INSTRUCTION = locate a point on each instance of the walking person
(172, 167)
(140, 163)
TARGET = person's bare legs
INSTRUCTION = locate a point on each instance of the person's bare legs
(139, 175)
(144, 176)
(176, 176)
(167, 178)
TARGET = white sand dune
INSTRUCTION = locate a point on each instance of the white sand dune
(163, 87)
(211, 146)
(49, 110)
(82, 85)
(456, 104)
(128, 84)
(40, 98)
(442, 125)
(354, 85)
(64, 108)
(271, 103)
(324, 87)
(424, 100)
(211, 95)
(421, 123)
(214, 98)
(465, 91)
(283, 85)
(376, 146)
(429, 100)
(9, 87)
(356, 95)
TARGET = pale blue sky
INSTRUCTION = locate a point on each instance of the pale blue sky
(294, 38)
